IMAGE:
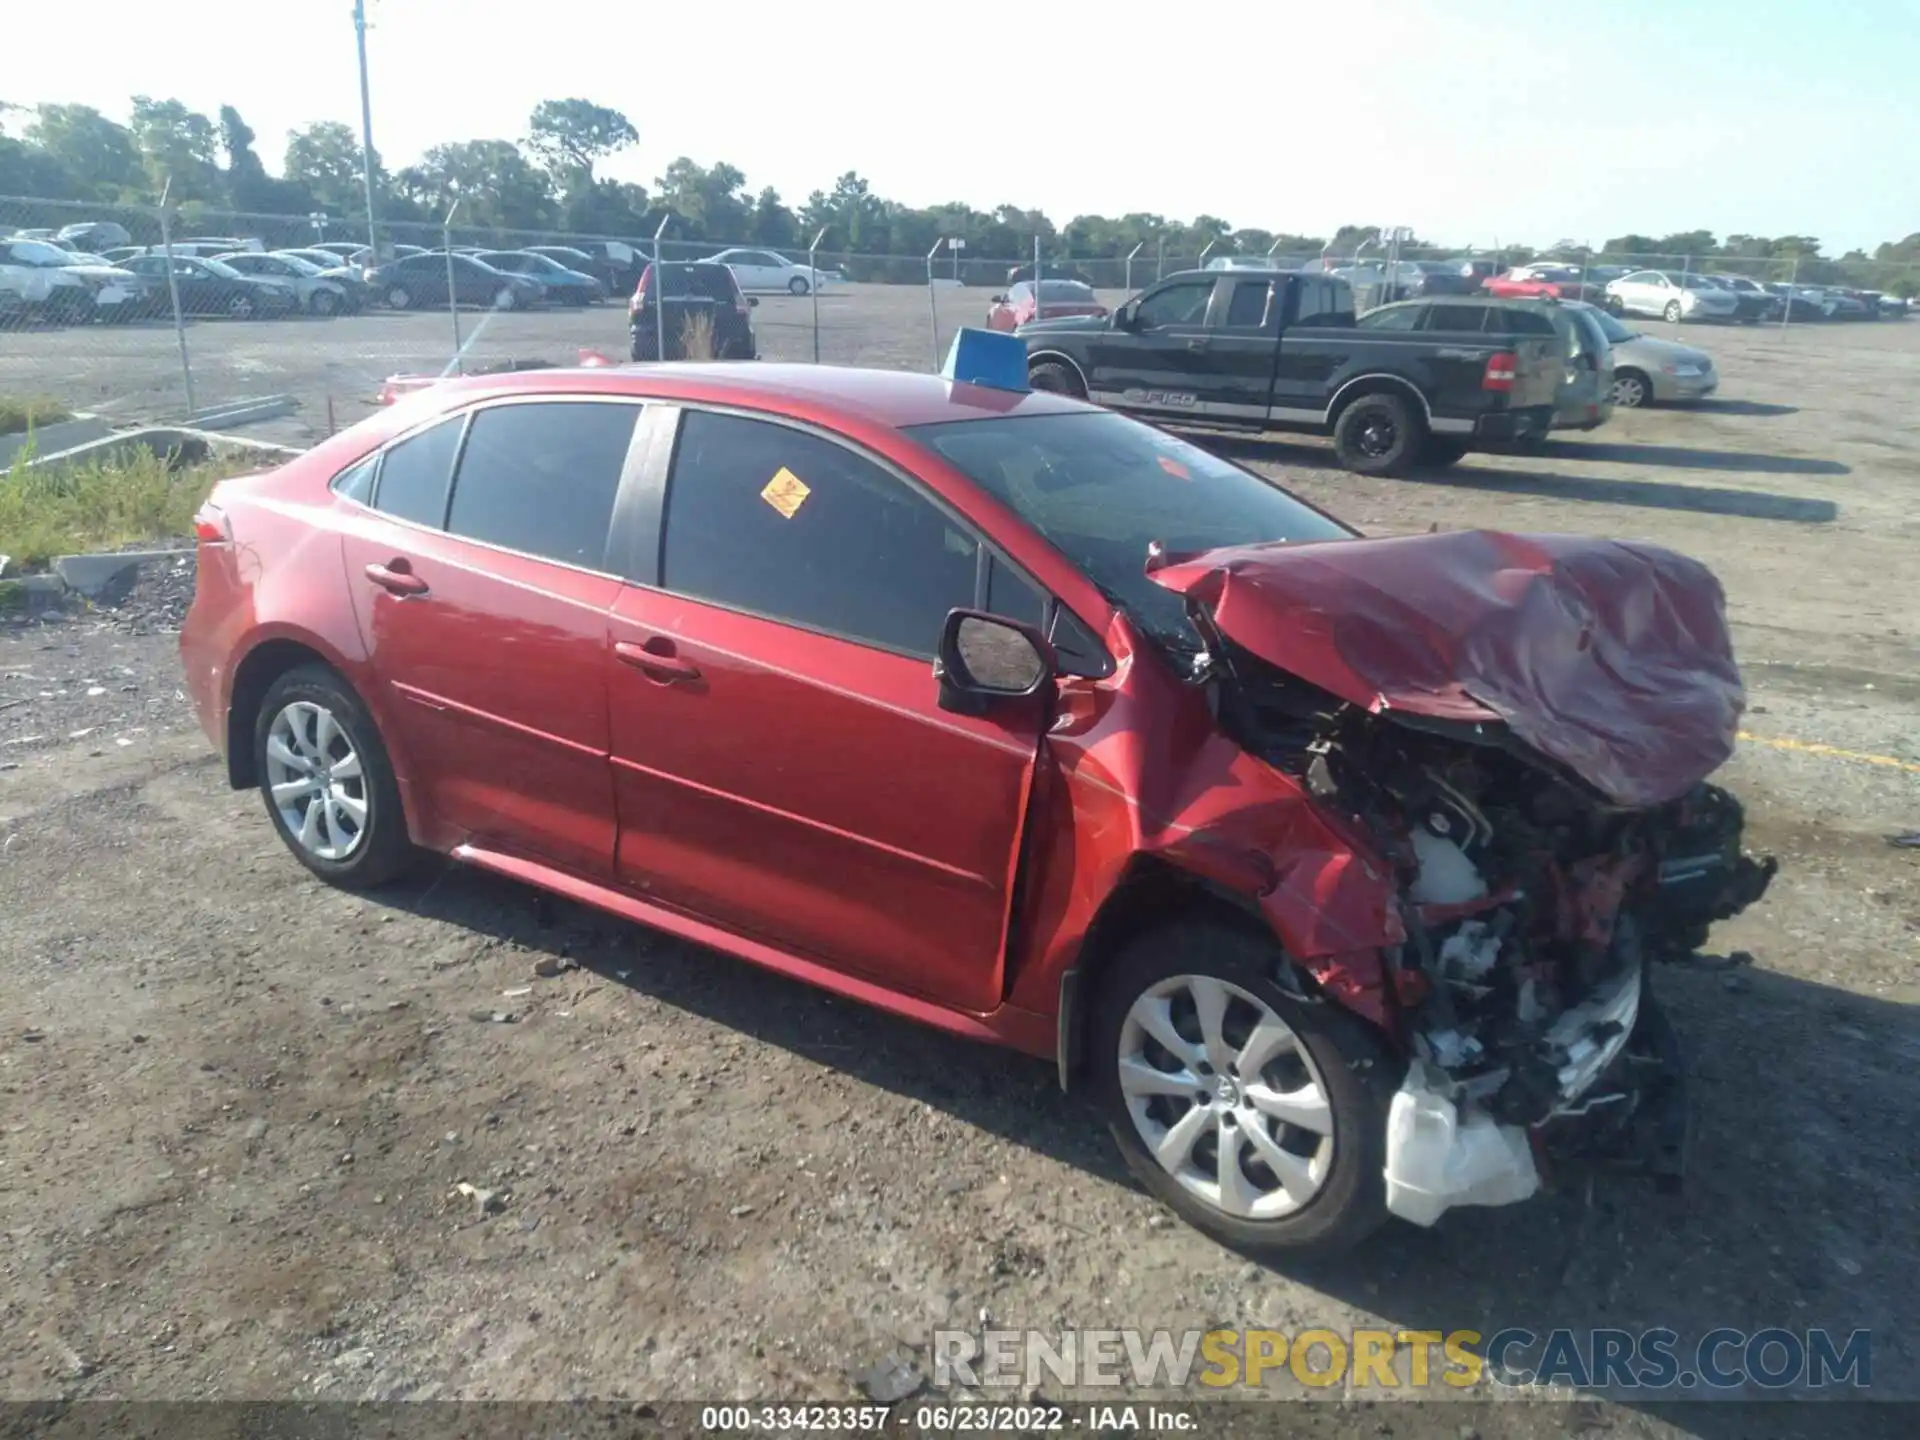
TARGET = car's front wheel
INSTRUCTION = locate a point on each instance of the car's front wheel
(328, 784)
(797, 285)
(1630, 389)
(1672, 312)
(1260, 1117)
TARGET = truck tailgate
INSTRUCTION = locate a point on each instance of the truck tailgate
(1536, 373)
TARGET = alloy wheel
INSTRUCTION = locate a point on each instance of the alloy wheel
(1377, 435)
(1629, 392)
(318, 785)
(1225, 1097)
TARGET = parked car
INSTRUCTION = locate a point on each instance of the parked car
(1281, 351)
(770, 271)
(1584, 398)
(318, 294)
(1533, 282)
(332, 267)
(1851, 304)
(210, 287)
(1800, 305)
(1051, 270)
(415, 280)
(616, 264)
(699, 293)
(1019, 306)
(1332, 921)
(566, 257)
(210, 245)
(1670, 295)
(1478, 271)
(1648, 370)
(1412, 279)
(563, 286)
(95, 236)
(1238, 262)
(119, 254)
(52, 283)
(1753, 300)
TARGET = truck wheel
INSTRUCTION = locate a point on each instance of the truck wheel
(1259, 1118)
(1379, 434)
(1059, 379)
(1437, 453)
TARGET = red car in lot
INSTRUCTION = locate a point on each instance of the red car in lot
(1057, 298)
(1537, 282)
(1333, 868)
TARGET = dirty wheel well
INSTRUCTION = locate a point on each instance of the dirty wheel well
(1154, 893)
(263, 665)
(1376, 385)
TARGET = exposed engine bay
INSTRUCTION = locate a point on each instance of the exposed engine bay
(1533, 908)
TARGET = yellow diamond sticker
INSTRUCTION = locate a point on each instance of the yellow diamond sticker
(786, 492)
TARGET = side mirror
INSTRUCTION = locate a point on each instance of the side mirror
(984, 659)
(1123, 316)
(753, 303)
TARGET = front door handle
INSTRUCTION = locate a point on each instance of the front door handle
(396, 577)
(655, 659)
(1196, 344)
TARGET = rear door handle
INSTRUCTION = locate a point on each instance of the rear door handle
(655, 659)
(1196, 344)
(397, 578)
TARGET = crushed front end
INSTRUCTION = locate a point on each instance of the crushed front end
(1521, 727)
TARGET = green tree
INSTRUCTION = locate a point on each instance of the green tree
(249, 186)
(569, 136)
(324, 159)
(711, 203)
(99, 156)
(857, 214)
(180, 146)
(496, 186)
(774, 224)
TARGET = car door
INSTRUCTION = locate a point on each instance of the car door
(1322, 307)
(1242, 345)
(782, 766)
(1149, 365)
(479, 578)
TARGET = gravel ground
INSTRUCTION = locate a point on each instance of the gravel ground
(238, 1105)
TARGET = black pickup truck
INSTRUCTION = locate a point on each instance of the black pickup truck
(1278, 350)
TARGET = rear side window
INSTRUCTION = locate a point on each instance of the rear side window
(781, 523)
(1247, 309)
(1395, 317)
(1519, 322)
(356, 482)
(1458, 319)
(1323, 302)
(541, 478)
(415, 474)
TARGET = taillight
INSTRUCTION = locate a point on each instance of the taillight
(740, 302)
(211, 526)
(639, 300)
(1501, 369)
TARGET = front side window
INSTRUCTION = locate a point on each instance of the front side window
(786, 524)
(541, 478)
(1247, 310)
(414, 475)
(1101, 488)
(1182, 304)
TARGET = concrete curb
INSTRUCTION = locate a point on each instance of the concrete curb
(52, 439)
(100, 576)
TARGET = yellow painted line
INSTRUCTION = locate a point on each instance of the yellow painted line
(1807, 747)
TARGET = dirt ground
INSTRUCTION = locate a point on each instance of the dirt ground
(237, 1105)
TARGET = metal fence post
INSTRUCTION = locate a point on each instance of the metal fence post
(660, 288)
(1205, 251)
(1793, 276)
(1159, 256)
(933, 300)
(813, 287)
(1130, 254)
(453, 297)
(173, 294)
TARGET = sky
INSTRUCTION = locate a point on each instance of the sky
(1471, 122)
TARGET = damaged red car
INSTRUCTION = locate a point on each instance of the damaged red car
(1335, 869)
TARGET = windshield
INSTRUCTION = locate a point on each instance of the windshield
(222, 269)
(299, 264)
(39, 252)
(1101, 488)
(1616, 333)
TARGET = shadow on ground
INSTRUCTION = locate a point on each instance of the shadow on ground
(1550, 485)
(1799, 1185)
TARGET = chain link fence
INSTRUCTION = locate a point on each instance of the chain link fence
(137, 313)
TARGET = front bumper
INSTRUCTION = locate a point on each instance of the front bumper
(1685, 387)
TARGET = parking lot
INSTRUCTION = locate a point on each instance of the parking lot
(238, 1105)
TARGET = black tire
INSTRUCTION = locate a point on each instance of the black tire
(1057, 379)
(384, 852)
(1439, 453)
(1631, 390)
(1379, 434)
(1615, 306)
(797, 285)
(1356, 1072)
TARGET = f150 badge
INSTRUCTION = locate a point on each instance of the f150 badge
(1175, 399)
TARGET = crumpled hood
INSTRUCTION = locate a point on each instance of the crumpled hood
(1610, 658)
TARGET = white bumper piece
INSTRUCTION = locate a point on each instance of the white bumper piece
(1436, 1160)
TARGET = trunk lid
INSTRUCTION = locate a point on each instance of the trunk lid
(1609, 658)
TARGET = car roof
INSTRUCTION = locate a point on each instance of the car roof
(833, 393)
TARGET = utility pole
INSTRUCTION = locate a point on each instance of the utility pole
(366, 125)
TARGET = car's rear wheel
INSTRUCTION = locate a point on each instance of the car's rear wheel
(1630, 389)
(1379, 434)
(327, 782)
(399, 297)
(505, 298)
(1052, 376)
(240, 307)
(797, 285)
(1616, 306)
(324, 302)
(1259, 1117)
(1672, 312)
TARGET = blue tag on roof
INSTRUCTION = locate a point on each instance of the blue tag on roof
(992, 358)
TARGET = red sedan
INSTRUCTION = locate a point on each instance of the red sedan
(1029, 721)
(1535, 282)
(1057, 299)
